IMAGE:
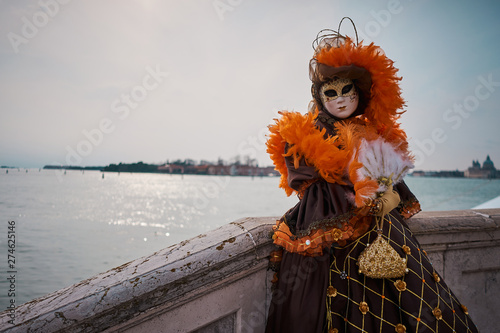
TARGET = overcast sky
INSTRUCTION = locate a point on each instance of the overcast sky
(99, 82)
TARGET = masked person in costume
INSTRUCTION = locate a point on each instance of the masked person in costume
(346, 259)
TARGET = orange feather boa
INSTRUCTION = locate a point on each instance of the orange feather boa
(334, 157)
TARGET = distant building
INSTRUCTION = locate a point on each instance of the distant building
(444, 173)
(184, 169)
(217, 169)
(486, 171)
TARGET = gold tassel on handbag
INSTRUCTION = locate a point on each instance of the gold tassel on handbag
(382, 162)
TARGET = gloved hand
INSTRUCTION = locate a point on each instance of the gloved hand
(388, 201)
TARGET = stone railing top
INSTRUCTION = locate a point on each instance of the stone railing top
(455, 221)
(118, 294)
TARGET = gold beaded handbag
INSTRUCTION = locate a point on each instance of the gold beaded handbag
(379, 259)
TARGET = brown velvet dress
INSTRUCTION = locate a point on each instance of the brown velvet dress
(327, 293)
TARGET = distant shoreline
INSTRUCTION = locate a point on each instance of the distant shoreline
(72, 167)
(234, 169)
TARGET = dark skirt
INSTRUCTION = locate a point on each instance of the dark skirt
(329, 294)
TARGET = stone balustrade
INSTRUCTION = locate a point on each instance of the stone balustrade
(219, 281)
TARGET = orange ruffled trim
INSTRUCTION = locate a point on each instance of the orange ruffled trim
(410, 208)
(320, 238)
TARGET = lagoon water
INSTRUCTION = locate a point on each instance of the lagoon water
(69, 227)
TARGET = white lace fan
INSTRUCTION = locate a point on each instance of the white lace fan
(382, 162)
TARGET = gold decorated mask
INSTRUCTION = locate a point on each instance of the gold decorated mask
(337, 88)
(339, 98)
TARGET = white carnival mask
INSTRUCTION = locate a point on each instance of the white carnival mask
(339, 97)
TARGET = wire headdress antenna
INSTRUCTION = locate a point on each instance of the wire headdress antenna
(331, 37)
(353, 25)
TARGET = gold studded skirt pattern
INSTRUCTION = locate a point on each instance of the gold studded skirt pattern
(418, 301)
(327, 293)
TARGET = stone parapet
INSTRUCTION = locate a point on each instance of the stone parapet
(464, 246)
(219, 281)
